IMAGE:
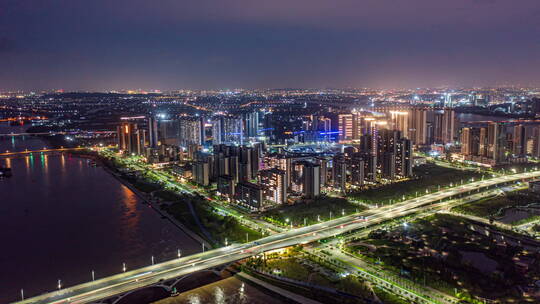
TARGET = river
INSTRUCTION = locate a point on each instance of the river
(61, 218)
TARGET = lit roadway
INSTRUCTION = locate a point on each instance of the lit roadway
(121, 283)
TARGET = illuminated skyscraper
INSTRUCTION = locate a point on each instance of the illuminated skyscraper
(152, 132)
(518, 141)
(444, 126)
(536, 142)
(227, 130)
(496, 142)
(191, 131)
(466, 141)
(129, 138)
(273, 184)
(418, 126)
(400, 121)
(251, 122)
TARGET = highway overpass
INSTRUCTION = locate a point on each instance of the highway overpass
(92, 292)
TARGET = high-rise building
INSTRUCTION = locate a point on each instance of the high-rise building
(418, 126)
(496, 142)
(201, 172)
(444, 126)
(273, 184)
(518, 141)
(191, 131)
(536, 142)
(251, 121)
(404, 157)
(152, 132)
(312, 180)
(345, 126)
(400, 122)
(388, 165)
(357, 167)
(466, 141)
(129, 138)
(339, 172)
(249, 195)
(226, 186)
(483, 143)
(169, 132)
(227, 130)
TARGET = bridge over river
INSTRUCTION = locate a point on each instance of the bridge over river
(155, 275)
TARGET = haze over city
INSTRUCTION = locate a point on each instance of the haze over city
(105, 45)
(300, 151)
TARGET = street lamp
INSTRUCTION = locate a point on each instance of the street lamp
(124, 267)
(59, 284)
(179, 253)
(93, 276)
(152, 258)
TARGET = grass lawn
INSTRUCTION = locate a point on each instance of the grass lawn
(388, 298)
(292, 268)
(146, 186)
(319, 207)
(218, 226)
(429, 176)
(432, 251)
(493, 206)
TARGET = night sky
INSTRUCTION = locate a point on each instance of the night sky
(167, 44)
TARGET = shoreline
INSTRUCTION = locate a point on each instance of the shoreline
(146, 200)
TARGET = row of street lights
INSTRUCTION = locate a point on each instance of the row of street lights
(124, 269)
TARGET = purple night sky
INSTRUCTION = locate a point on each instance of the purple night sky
(165, 44)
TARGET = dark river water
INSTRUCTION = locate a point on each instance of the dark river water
(61, 218)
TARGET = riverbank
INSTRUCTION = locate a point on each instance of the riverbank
(149, 201)
(54, 200)
(189, 209)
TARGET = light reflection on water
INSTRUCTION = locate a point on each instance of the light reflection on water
(61, 218)
(194, 299)
(219, 295)
(227, 291)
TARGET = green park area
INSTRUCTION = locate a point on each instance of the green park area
(302, 268)
(500, 207)
(320, 209)
(443, 252)
(428, 178)
(200, 217)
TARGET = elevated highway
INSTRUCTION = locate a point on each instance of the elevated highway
(92, 292)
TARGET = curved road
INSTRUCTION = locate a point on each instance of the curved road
(124, 282)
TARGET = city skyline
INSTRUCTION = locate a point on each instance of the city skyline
(240, 151)
(101, 46)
